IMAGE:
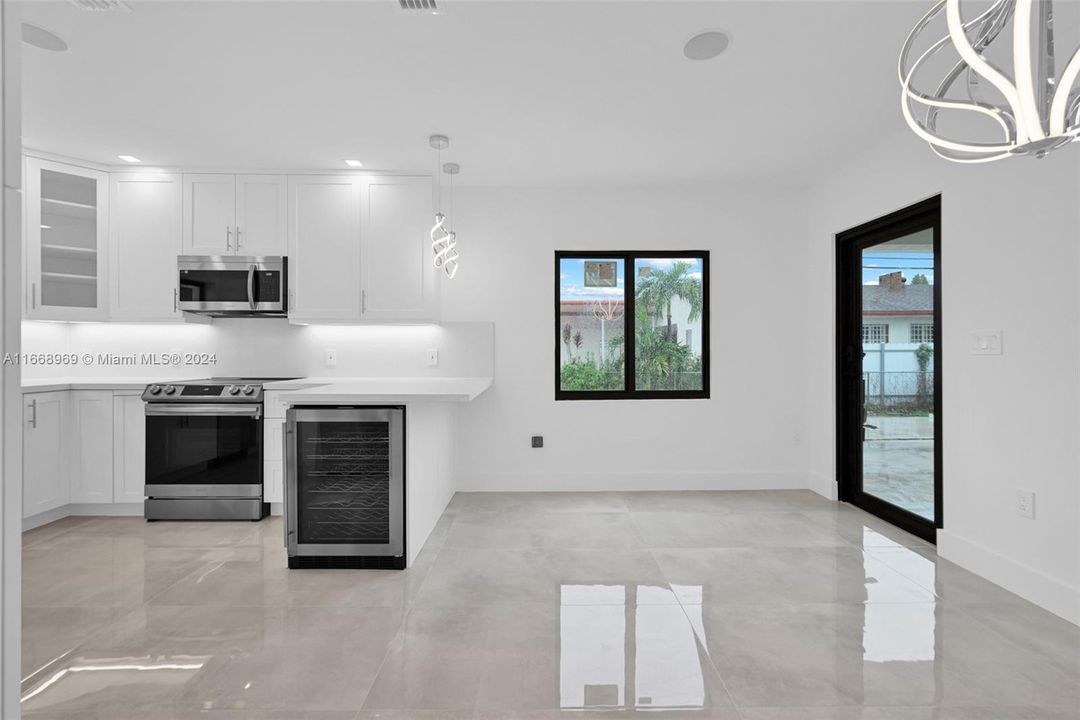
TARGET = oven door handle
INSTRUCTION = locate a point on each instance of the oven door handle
(251, 285)
(254, 411)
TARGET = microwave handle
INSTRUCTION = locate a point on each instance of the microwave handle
(251, 285)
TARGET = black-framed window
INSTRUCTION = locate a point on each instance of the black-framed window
(631, 324)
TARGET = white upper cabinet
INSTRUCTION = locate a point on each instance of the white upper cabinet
(144, 240)
(324, 248)
(398, 280)
(66, 227)
(209, 214)
(234, 214)
(261, 214)
(45, 469)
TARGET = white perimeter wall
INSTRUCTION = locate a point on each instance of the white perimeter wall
(1009, 261)
(750, 434)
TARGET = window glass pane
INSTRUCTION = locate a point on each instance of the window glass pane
(591, 301)
(668, 301)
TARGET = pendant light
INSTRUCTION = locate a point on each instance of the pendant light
(443, 239)
(1035, 111)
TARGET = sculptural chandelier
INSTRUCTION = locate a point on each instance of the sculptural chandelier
(443, 239)
(1032, 112)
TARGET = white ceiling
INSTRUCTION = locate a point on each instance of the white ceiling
(530, 93)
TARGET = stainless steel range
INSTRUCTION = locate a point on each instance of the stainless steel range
(204, 450)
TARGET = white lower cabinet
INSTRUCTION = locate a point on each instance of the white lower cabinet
(91, 456)
(45, 478)
(82, 447)
(129, 448)
(273, 482)
(273, 454)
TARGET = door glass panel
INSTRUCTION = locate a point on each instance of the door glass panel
(343, 482)
(898, 312)
(203, 450)
(68, 240)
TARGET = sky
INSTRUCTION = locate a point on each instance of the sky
(572, 276)
(875, 264)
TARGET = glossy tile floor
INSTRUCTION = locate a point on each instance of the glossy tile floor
(739, 606)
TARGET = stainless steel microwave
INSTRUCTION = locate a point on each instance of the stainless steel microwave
(233, 285)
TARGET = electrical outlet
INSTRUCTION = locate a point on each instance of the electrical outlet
(538, 441)
(433, 357)
(331, 358)
(1025, 504)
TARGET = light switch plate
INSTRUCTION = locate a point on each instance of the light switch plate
(433, 357)
(985, 342)
(331, 358)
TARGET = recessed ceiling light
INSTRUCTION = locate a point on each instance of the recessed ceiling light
(354, 163)
(129, 158)
(41, 38)
(706, 45)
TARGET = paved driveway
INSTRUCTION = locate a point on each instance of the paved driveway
(898, 462)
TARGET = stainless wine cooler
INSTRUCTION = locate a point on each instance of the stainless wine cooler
(345, 487)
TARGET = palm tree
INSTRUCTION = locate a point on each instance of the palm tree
(658, 289)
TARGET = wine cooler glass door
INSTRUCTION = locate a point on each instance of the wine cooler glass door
(348, 482)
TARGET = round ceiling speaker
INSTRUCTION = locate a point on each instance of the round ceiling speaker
(706, 45)
(41, 38)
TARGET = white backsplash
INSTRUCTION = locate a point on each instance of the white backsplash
(261, 347)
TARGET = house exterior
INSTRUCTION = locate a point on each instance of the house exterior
(601, 321)
(897, 317)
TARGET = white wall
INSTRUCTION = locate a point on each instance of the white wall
(1009, 261)
(750, 434)
(266, 347)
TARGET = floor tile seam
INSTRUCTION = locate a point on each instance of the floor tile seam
(693, 630)
(149, 600)
(880, 557)
(382, 663)
(966, 610)
(82, 643)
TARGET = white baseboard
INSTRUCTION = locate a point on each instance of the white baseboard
(36, 521)
(823, 486)
(621, 481)
(82, 510)
(106, 509)
(1045, 591)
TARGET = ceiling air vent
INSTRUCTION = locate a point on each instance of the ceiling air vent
(102, 5)
(418, 5)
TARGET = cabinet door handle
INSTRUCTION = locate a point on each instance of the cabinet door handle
(175, 299)
(33, 295)
(363, 301)
(33, 413)
(237, 237)
(228, 238)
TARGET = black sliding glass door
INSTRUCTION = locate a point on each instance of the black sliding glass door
(888, 374)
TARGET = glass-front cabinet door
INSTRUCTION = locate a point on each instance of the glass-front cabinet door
(66, 233)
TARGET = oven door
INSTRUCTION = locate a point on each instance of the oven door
(232, 284)
(211, 450)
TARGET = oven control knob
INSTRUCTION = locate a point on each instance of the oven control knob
(248, 390)
(155, 389)
(170, 389)
(233, 389)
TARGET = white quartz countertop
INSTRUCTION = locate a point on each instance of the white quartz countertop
(336, 391)
(77, 383)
